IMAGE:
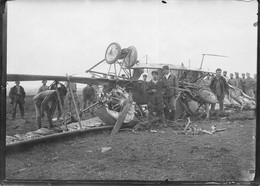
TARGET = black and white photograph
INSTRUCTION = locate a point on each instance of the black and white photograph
(137, 90)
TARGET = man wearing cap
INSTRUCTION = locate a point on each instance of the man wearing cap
(145, 77)
(170, 93)
(155, 101)
(232, 81)
(17, 96)
(42, 101)
(249, 85)
(89, 97)
(225, 75)
(239, 81)
(54, 86)
(73, 87)
(43, 87)
(243, 79)
(219, 87)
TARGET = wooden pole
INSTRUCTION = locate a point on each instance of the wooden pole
(74, 102)
(61, 108)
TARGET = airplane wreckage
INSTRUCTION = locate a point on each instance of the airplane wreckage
(124, 97)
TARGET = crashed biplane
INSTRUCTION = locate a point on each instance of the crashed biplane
(193, 95)
(124, 61)
(123, 89)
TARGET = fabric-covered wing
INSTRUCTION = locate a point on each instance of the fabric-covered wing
(83, 80)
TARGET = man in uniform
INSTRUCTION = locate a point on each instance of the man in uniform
(225, 75)
(170, 93)
(73, 87)
(54, 86)
(232, 81)
(243, 79)
(249, 85)
(155, 101)
(17, 96)
(239, 81)
(43, 87)
(42, 101)
(219, 87)
(88, 96)
(145, 77)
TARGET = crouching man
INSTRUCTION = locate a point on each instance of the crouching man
(155, 104)
(44, 101)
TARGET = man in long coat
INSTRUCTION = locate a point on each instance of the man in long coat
(155, 101)
(219, 87)
(17, 96)
(170, 93)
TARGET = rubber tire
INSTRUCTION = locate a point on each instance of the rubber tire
(131, 58)
(111, 61)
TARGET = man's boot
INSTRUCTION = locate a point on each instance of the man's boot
(49, 118)
(174, 115)
(39, 122)
(152, 119)
(162, 118)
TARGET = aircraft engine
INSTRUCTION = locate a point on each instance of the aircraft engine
(117, 99)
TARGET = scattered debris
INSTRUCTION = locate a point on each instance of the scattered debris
(105, 149)
(194, 130)
(54, 158)
(22, 169)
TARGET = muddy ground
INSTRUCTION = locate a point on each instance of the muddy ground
(162, 154)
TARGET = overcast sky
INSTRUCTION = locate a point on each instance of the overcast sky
(58, 37)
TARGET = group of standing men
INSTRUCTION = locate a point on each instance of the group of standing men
(162, 95)
(247, 84)
(48, 98)
(163, 92)
(219, 85)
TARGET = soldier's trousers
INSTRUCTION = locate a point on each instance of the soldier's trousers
(221, 103)
(21, 107)
(169, 107)
(39, 112)
(155, 107)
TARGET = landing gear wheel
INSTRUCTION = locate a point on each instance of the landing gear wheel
(113, 53)
(131, 58)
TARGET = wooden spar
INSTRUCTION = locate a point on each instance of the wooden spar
(90, 107)
(61, 108)
(95, 65)
(74, 102)
(122, 115)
